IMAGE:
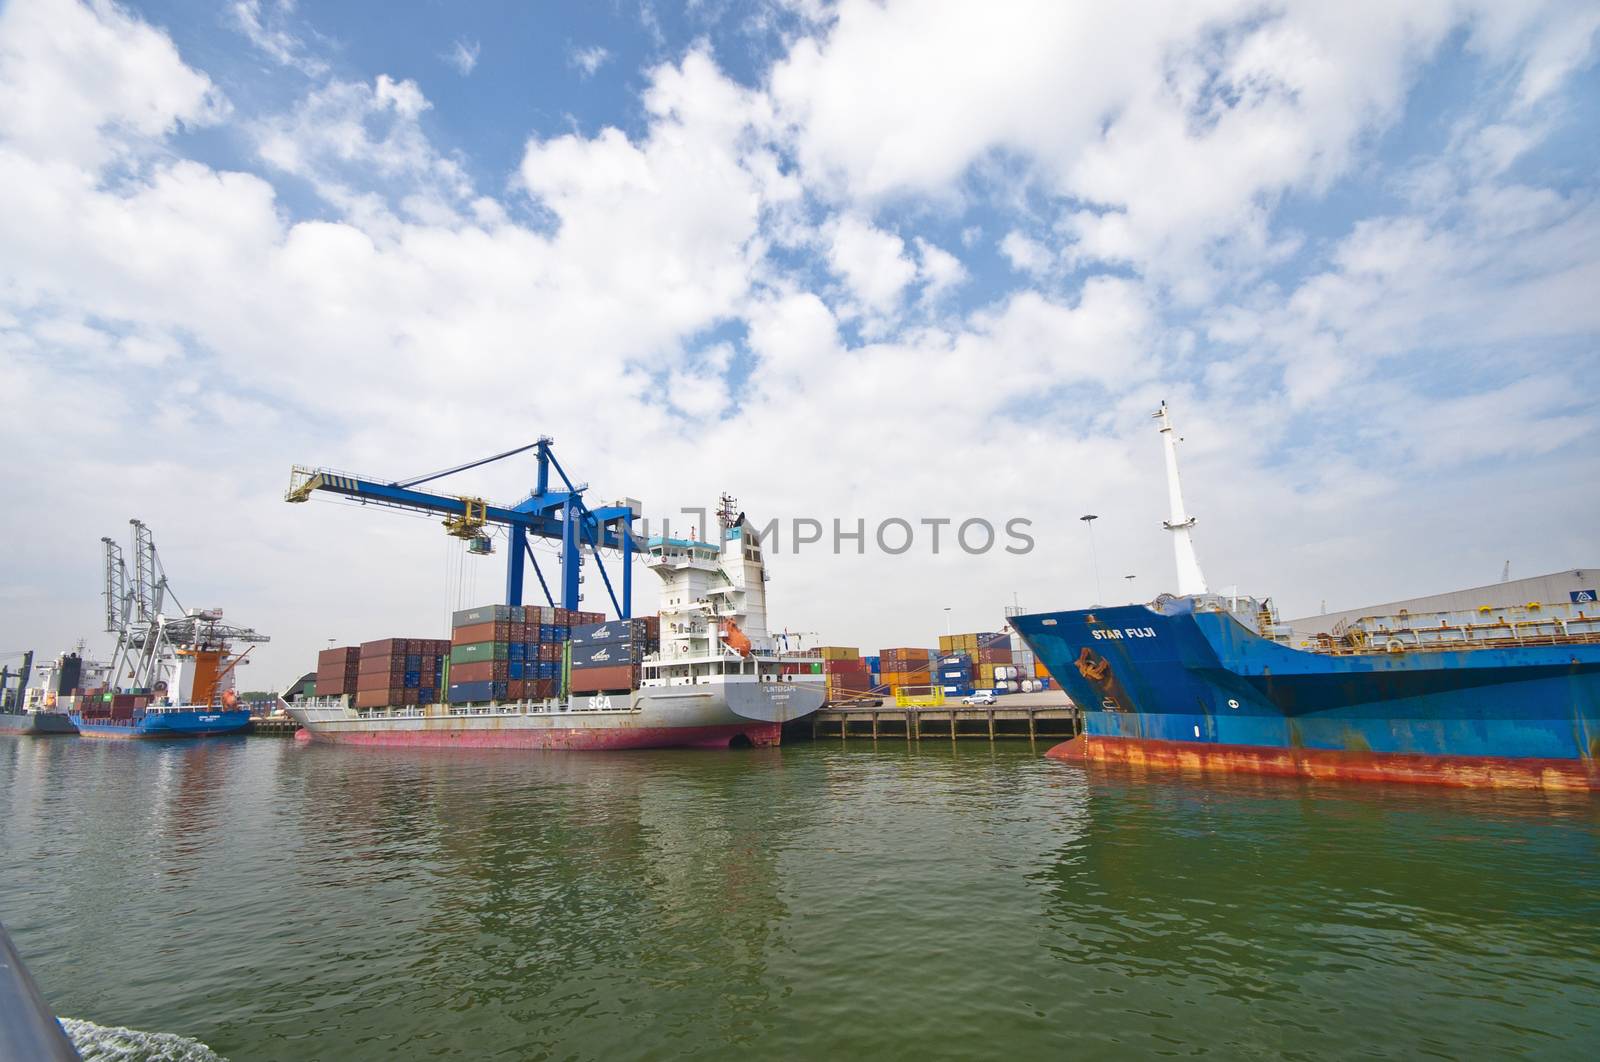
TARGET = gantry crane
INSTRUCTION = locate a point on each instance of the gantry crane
(190, 652)
(559, 515)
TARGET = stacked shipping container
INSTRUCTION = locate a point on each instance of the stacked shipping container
(905, 667)
(508, 652)
(337, 670)
(399, 671)
(606, 656)
(994, 661)
(845, 673)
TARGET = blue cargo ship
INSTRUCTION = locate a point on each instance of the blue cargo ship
(170, 676)
(185, 722)
(1187, 682)
(1505, 696)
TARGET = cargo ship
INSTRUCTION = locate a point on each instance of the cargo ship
(705, 674)
(32, 711)
(171, 676)
(1494, 696)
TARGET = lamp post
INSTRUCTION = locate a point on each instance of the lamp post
(1088, 520)
(947, 621)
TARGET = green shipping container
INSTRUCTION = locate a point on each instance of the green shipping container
(477, 652)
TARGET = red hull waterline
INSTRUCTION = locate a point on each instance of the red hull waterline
(577, 739)
(1485, 772)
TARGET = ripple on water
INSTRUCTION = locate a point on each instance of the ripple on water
(277, 900)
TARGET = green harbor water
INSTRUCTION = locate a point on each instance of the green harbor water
(283, 901)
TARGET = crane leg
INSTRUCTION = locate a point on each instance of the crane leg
(519, 545)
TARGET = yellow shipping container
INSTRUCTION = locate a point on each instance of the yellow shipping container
(840, 652)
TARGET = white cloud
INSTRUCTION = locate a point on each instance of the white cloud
(1025, 255)
(463, 55)
(267, 27)
(202, 311)
(345, 134)
(81, 85)
(938, 269)
(873, 263)
(1182, 127)
(588, 60)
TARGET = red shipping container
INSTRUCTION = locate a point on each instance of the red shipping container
(381, 680)
(480, 671)
(340, 657)
(841, 667)
(995, 655)
(482, 632)
(384, 647)
(595, 679)
(380, 698)
(563, 618)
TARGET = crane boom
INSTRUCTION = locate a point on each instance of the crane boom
(557, 515)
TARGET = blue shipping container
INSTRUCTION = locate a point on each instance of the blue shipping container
(516, 651)
(517, 669)
(547, 632)
(610, 631)
(487, 690)
(606, 654)
(412, 679)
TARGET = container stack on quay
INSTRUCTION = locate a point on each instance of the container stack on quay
(508, 652)
(846, 674)
(393, 672)
(606, 655)
(905, 667)
(989, 661)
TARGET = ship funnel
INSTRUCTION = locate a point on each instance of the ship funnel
(1191, 580)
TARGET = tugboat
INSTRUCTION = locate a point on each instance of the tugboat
(170, 676)
(1492, 696)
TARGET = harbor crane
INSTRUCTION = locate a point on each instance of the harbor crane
(149, 640)
(553, 510)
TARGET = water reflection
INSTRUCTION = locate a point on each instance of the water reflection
(1295, 912)
(902, 901)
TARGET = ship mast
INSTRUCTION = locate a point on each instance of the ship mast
(1190, 579)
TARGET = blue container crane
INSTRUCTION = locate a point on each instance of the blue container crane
(560, 515)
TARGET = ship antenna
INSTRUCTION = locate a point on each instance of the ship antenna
(1190, 579)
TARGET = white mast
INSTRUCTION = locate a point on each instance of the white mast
(1190, 579)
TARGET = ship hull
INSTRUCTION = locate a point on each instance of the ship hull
(1176, 688)
(37, 724)
(184, 724)
(669, 717)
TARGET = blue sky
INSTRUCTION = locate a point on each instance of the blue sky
(846, 260)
